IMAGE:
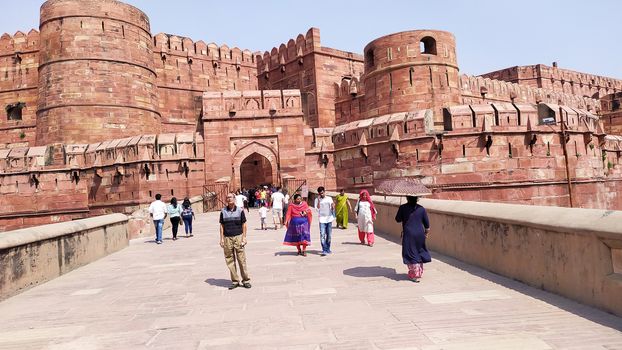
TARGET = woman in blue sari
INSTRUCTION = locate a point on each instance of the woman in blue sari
(416, 227)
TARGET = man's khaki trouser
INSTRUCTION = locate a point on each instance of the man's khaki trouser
(235, 251)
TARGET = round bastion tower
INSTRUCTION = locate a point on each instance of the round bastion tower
(411, 70)
(96, 73)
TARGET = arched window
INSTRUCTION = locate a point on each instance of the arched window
(427, 45)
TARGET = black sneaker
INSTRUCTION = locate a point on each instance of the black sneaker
(233, 286)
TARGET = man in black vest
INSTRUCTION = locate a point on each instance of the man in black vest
(233, 240)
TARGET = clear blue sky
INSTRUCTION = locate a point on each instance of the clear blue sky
(491, 34)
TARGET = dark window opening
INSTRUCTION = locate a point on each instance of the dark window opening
(497, 115)
(428, 45)
(14, 110)
(463, 151)
(369, 58)
(410, 75)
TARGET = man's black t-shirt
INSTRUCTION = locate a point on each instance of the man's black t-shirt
(232, 221)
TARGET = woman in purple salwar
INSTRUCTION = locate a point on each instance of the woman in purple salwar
(416, 227)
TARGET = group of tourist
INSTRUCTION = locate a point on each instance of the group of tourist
(178, 215)
(267, 200)
(298, 218)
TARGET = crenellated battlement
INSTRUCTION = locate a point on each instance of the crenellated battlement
(293, 50)
(478, 89)
(117, 152)
(19, 42)
(558, 79)
(182, 46)
(253, 103)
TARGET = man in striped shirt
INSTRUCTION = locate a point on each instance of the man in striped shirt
(233, 240)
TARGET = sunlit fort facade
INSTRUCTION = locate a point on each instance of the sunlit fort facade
(99, 115)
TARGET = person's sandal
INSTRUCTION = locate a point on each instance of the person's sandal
(233, 286)
(246, 285)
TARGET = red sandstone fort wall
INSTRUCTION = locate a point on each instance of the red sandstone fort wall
(523, 162)
(19, 78)
(558, 80)
(305, 65)
(480, 90)
(186, 69)
(57, 183)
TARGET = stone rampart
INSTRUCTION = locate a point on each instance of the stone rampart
(53, 183)
(576, 253)
(305, 65)
(185, 69)
(483, 90)
(498, 152)
(559, 80)
(35, 255)
(19, 81)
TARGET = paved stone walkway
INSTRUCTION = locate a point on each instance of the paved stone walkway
(174, 296)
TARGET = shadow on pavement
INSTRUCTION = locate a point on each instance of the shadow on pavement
(588, 312)
(218, 282)
(286, 253)
(376, 271)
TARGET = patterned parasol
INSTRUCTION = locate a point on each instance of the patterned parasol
(405, 186)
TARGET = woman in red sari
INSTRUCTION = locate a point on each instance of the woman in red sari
(298, 223)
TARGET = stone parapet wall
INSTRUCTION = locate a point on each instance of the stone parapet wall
(35, 255)
(53, 183)
(483, 90)
(576, 253)
(559, 80)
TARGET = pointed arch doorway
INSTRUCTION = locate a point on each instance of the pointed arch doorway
(255, 164)
(254, 170)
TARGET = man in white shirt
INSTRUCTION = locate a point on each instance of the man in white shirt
(240, 199)
(325, 207)
(277, 199)
(157, 211)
